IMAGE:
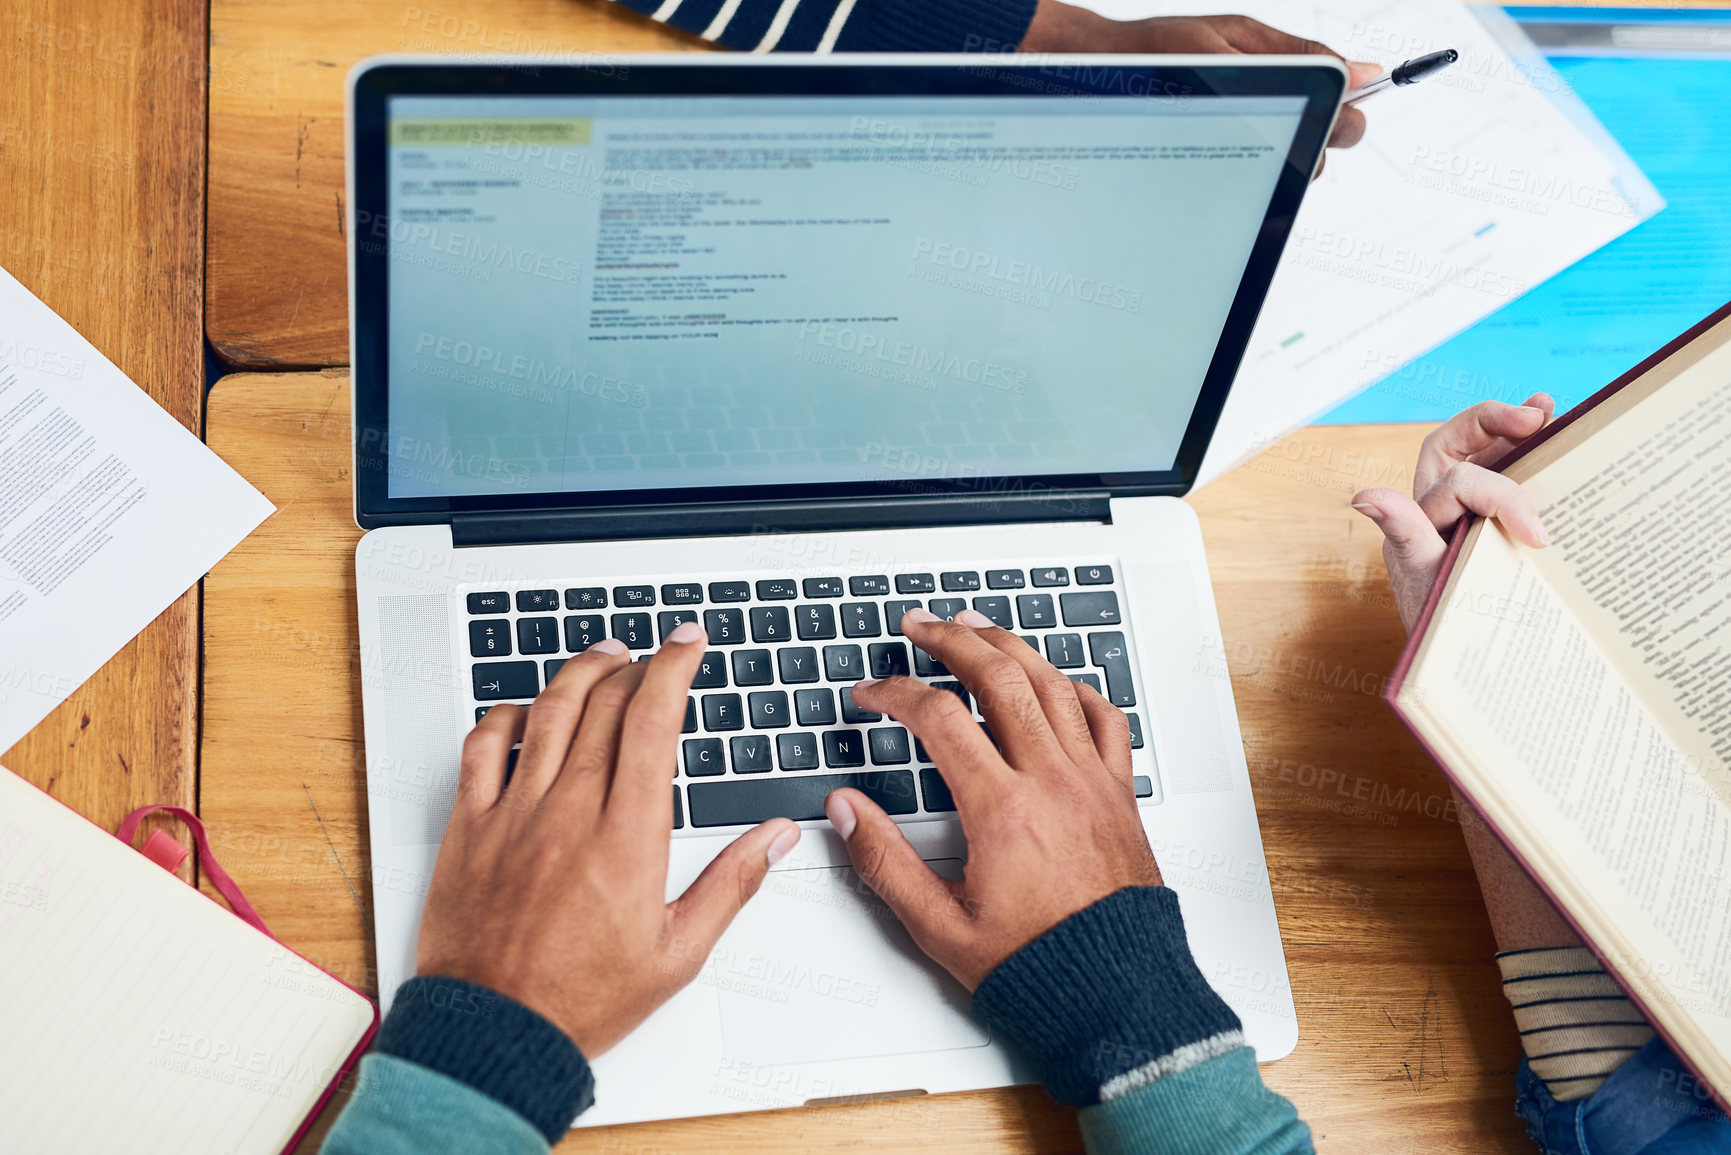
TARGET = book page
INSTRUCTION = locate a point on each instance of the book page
(1641, 553)
(142, 1016)
(1566, 759)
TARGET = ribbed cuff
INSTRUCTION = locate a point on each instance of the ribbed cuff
(936, 26)
(494, 1044)
(1110, 990)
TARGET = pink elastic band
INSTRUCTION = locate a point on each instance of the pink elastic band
(159, 854)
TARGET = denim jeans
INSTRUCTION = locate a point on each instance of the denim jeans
(1651, 1105)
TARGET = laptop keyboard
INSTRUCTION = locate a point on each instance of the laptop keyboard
(771, 726)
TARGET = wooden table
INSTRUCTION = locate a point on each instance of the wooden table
(102, 216)
(1405, 1039)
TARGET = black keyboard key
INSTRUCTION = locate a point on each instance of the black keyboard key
(1097, 609)
(1032, 641)
(796, 751)
(936, 791)
(681, 594)
(583, 631)
(799, 798)
(889, 746)
(690, 726)
(631, 597)
(843, 663)
(860, 620)
(768, 710)
(678, 811)
(957, 580)
(703, 757)
(669, 620)
(769, 624)
(1065, 650)
(1144, 786)
(1092, 679)
(920, 751)
(894, 612)
(496, 680)
(729, 591)
(777, 590)
(489, 603)
(1050, 577)
(958, 690)
(927, 666)
(726, 627)
(1036, 611)
(814, 622)
(633, 630)
(1005, 579)
(586, 598)
(948, 608)
(711, 672)
(1111, 655)
(1135, 721)
(1093, 575)
(797, 664)
(824, 587)
(869, 586)
(722, 712)
(537, 601)
(551, 668)
(538, 635)
(814, 707)
(915, 583)
(843, 748)
(888, 659)
(752, 668)
(490, 639)
(855, 715)
(997, 609)
(751, 754)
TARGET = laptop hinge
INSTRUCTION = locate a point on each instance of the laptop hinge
(718, 519)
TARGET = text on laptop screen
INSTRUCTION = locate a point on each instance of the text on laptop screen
(592, 294)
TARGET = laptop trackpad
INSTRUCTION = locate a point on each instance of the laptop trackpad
(817, 968)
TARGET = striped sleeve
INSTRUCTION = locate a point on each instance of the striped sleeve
(1576, 1024)
(847, 25)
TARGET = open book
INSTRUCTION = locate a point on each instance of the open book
(141, 1016)
(1580, 695)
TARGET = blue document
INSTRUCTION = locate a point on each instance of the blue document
(1658, 80)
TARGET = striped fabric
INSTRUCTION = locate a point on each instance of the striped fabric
(1576, 1024)
(847, 25)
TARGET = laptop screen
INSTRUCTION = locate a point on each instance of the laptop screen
(603, 293)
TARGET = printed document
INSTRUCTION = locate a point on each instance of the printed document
(109, 509)
(1468, 189)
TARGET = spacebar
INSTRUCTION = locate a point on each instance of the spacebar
(749, 802)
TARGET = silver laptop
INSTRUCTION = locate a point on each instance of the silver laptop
(787, 348)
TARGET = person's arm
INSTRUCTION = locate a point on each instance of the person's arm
(1074, 951)
(1045, 26)
(546, 936)
(1594, 1076)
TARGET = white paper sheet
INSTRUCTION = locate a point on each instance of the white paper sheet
(109, 509)
(1468, 189)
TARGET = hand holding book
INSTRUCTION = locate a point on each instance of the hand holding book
(1453, 479)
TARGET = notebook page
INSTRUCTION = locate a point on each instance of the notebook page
(139, 1015)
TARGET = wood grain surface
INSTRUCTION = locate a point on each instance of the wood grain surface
(278, 288)
(102, 217)
(1406, 1042)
